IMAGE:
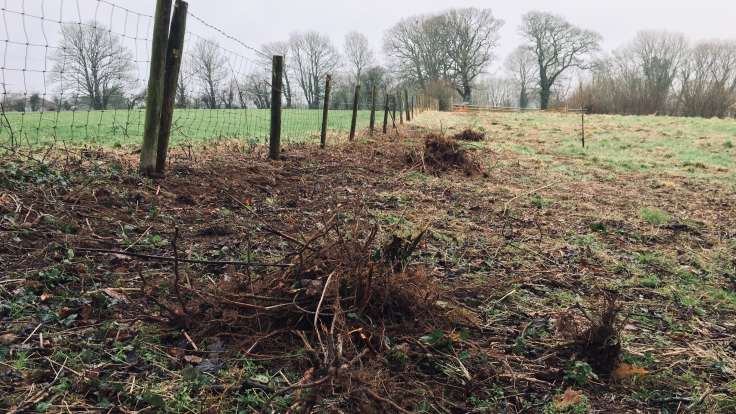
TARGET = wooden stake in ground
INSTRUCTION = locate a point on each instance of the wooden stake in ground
(355, 112)
(277, 78)
(171, 79)
(373, 110)
(155, 93)
(325, 111)
(407, 107)
(582, 124)
(385, 114)
(400, 104)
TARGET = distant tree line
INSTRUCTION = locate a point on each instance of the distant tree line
(446, 55)
(663, 73)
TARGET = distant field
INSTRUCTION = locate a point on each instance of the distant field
(692, 146)
(121, 127)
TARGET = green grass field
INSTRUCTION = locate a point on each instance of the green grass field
(122, 127)
(691, 146)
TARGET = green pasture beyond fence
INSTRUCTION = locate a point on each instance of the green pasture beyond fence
(116, 128)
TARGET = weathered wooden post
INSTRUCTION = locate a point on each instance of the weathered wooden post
(171, 80)
(277, 78)
(407, 106)
(325, 111)
(400, 104)
(582, 124)
(155, 93)
(385, 114)
(355, 112)
(373, 110)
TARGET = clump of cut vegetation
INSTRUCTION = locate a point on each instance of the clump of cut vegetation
(596, 338)
(470, 135)
(442, 154)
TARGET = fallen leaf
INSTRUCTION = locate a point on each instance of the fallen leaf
(45, 296)
(464, 317)
(570, 398)
(193, 359)
(261, 378)
(627, 371)
(114, 294)
(85, 312)
(8, 338)
(121, 257)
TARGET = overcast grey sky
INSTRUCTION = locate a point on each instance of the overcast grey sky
(256, 22)
(618, 21)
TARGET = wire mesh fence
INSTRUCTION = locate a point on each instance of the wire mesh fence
(74, 72)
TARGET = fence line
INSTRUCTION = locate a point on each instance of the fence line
(482, 108)
(44, 99)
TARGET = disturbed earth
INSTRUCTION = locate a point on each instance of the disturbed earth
(416, 272)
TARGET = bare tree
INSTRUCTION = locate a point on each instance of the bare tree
(358, 53)
(472, 34)
(258, 90)
(183, 89)
(416, 45)
(91, 61)
(280, 49)
(229, 93)
(658, 56)
(558, 46)
(454, 46)
(496, 92)
(639, 78)
(709, 79)
(35, 102)
(313, 57)
(208, 64)
(522, 65)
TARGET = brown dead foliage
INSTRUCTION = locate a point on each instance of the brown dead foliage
(441, 154)
(470, 135)
(595, 338)
(336, 295)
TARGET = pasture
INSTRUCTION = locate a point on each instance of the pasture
(117, 128)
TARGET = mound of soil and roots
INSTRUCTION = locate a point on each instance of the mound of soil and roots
(470, 135)
(441, 154)
(595, 335)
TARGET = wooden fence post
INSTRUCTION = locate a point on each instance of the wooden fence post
(155, 93)
(171, 80)
(400, 104)
(355, 112)
(407, 106)
(277, 78)
(325, 111)
(373, 109)
(582, 124)
(385, 114)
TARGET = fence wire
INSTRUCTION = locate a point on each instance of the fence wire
(74, 73)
